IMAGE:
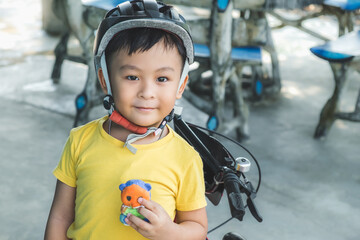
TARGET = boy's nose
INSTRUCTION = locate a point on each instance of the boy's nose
(147, 90)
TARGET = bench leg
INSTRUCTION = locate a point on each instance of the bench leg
(224, 73)
(345, 21)
(270, 48)
(327, 115)
(352, 116)
(92, 94)
(241, 110)
(60, 55)
(357, 107)
(220, 59)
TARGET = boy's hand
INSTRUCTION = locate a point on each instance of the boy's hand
(160, 222)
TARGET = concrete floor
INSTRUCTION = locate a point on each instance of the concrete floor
(310, 188)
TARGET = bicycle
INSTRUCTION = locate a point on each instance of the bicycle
(222, 171)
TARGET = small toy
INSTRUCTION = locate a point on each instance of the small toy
(131, 191)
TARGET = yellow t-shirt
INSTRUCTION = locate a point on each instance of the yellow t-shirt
(96, 164)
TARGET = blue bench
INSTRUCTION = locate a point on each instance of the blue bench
(347, 5)
(103, 4)
(341, 54)
(247, 55)
(343, 10)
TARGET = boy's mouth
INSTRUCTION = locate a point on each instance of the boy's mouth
(145, 109)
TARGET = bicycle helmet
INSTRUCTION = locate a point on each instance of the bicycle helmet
(139, 14)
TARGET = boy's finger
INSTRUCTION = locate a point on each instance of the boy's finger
(151, 205)
(151, 216)
(137, 223)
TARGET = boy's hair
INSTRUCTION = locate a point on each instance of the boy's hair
(140, 40)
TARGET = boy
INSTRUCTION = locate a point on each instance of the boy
(142, 53)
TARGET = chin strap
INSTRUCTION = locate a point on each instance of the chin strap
(138, 131)
(133, 137)
(120, 120)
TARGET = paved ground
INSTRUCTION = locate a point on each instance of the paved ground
(310, 189)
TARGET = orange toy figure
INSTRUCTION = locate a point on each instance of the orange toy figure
(131, 191)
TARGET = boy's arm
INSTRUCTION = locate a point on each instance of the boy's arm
(193, 224)
(62, 212)
(189, 224)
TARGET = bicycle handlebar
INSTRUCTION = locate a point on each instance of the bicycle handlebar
(232, 186)
(253, 209)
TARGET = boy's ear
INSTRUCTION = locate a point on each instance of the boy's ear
(102, 80)
(182, 88)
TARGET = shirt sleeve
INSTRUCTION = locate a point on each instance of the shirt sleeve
(65, 170)
(191, 195)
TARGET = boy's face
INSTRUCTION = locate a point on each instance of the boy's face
(145, 84)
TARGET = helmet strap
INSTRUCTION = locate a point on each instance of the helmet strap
(107, 81)
(184, 73)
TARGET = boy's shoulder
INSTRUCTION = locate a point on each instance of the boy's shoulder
(87, 128)
(181, 143)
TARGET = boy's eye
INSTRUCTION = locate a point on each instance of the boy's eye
(162, 79)
(132, 78)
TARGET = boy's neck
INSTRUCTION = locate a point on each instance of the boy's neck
(121, 133)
